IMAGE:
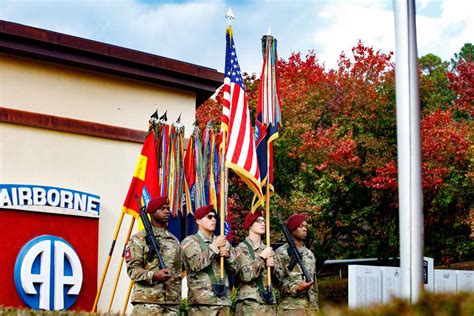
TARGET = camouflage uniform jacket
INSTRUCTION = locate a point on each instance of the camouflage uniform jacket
(289, 280)
(250, 270)
(141, 271)
(196, 261)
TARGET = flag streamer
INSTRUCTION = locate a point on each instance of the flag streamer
(200, 193)
(268, 116)
(211, 166)
(176, 178)
(190, 186)
(164, 157)
(190, 176)
(176, 169)
(266, 131)
(269, 93)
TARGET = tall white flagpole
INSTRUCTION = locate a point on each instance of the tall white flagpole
(409, 151)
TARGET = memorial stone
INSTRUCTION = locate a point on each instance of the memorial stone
(391, 286)
(365, 285)
(445, 281)
(465, 281)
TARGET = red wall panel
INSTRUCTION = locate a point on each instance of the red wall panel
(18, 227)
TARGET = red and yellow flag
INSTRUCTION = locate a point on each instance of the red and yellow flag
(145, 179)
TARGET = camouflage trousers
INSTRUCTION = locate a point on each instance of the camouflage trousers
(290, 306)
(209, 310)
(155, 309)
(252, 307)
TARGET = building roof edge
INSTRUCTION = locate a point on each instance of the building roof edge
(41, 44)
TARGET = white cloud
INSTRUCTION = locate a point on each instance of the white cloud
(351, 21)
(446, 34)
(422, 4)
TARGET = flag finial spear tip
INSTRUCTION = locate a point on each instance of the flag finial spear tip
(269, 32)
(230, 16)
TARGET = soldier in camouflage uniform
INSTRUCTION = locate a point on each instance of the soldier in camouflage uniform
(253, 256)
(201, 254)
(155, 291)
(297, 297)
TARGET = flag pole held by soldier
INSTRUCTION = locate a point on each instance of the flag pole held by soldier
(201, 254)
(253, 256)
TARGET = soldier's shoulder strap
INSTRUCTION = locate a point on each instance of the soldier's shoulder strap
(209, 270)
(250, 248)
(202, 244)
(252, 255)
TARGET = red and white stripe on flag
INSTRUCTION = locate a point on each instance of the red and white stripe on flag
(226, 105)
(241, 154)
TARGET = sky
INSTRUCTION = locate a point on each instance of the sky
(194, 31)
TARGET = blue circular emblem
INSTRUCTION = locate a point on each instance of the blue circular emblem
(48, 273)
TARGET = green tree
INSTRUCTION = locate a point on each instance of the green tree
(434, 91)
(466, 54)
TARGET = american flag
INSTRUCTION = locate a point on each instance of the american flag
(240, 152)
(225, 118)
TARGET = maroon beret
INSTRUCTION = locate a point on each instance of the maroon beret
(155, 204)
(203, 211)
(295, 220)
(251, 218)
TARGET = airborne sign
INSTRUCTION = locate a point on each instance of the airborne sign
(30, 197)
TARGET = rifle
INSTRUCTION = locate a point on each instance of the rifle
(293, 252)
(150, 237)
